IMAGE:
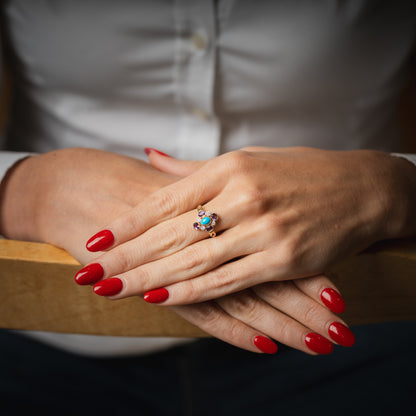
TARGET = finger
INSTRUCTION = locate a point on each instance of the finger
(228, 278)
(247, 307)
(194, 260)
(290, 300)
(172, 165)
(160, 241)
(169, 202)
(322, 290)
(215, 321)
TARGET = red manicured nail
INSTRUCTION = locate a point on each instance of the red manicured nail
(156, 296)
(318, 343)
(341, 334)
(265, 344)
(333, 300)
(108, 287)
(90, 274)
(149, 150)
(100, 241)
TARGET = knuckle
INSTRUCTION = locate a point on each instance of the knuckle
(289, 256)
(252, 198)
(235, 331)
(312, 314)
(266, 226)
(190, 291)
(168, 238)
(237, 161)
(224, 280)
(142, 281)
(207, 313)
(192, 257)
(285, 331)
(276, 221)
(128, 224)
(209, 317)
(165, 203)
(281, 223)
(123, 260)
(244, 305)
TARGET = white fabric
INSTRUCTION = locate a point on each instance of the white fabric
(409, 157)
(196, 78)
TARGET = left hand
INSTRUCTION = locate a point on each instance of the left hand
(284, 214)
(297, 313)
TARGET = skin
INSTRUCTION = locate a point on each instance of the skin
(70, 194)
(284, 214)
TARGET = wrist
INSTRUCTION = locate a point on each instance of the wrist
(398, 195)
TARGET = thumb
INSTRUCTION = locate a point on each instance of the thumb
(169, 164)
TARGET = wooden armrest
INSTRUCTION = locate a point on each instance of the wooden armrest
(37, 292)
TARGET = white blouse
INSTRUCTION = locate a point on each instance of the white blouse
(196, 78)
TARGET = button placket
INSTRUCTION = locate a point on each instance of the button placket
(195, 77)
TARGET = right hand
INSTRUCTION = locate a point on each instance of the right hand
(64, 196)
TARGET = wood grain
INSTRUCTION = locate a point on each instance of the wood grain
(38, 292)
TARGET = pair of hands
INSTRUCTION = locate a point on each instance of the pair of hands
(283, 215)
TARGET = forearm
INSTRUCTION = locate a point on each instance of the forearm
(9, 163)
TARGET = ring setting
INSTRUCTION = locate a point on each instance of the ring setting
(206, 221)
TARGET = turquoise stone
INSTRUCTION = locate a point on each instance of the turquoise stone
(205, 220)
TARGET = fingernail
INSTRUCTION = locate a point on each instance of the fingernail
(265, 344)
(100, 241)
(341, 334)
(89, 274)
(156, 296)
(333, 300)
(149, 150)
(318, 343)
(108, 287)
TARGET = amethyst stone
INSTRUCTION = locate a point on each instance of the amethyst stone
(214, 217)
(209, 228)
(196, 226)
(201, 213)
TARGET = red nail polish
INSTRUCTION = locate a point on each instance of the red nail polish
(149, 150)
(100, 241)
(265, 344)
(318, 343)
(156, 296)
(341, 334)
(333, 300)
(89, 274)
(108, 287)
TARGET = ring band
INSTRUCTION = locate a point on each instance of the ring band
(206, 221)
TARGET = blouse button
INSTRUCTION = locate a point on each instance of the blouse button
(200, 113)
(198, 41)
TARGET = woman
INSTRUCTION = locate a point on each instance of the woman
(198, 80)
